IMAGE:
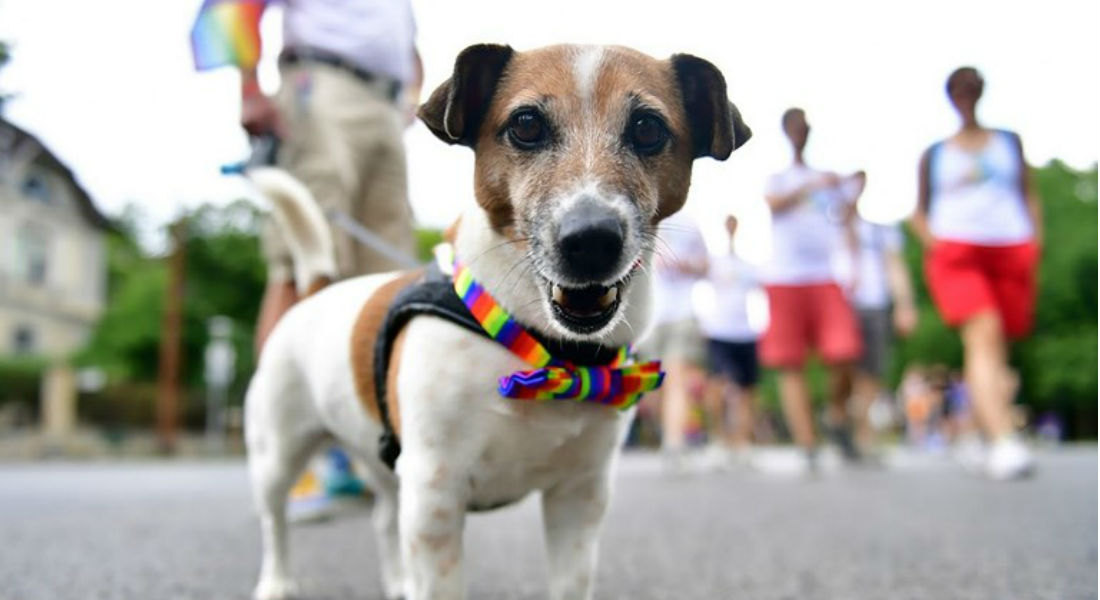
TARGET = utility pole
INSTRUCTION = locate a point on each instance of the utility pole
(168, 376)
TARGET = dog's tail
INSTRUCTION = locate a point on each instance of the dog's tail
(302, 224)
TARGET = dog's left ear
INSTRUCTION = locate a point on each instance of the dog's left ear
(716, 125)
(455, 110)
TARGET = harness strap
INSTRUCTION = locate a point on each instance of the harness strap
(434, 295)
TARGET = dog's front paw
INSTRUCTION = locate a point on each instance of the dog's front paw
(275, 588)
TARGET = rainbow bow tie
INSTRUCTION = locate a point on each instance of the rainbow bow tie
(619, 384)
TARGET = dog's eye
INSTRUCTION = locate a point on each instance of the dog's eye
(647, 134)
(527, 130)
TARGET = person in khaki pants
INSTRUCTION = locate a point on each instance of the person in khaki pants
(351, 76)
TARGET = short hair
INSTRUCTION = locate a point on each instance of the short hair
(791, 113)
(958, 74)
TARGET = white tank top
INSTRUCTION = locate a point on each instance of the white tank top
(975, 197)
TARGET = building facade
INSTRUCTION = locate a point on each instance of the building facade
(53, 258)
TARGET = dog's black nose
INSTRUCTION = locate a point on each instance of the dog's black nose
(590, 240)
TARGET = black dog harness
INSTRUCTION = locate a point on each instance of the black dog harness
(434, 295)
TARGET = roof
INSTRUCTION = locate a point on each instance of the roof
(47, 159)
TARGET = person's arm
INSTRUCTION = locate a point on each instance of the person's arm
(781, 202)
(1031, 196)
(697, 263)
(417, 82)
(259, 115)
(851, 243)
(919, 221)
(412, 90)
(901, 290)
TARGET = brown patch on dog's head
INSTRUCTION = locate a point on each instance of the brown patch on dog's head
(570, 136)
(490, 81)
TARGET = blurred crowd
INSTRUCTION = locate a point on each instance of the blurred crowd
(836, 288)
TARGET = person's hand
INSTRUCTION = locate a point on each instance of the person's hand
(905, 319)
(828, 180)
(260, 116)
(852, 284)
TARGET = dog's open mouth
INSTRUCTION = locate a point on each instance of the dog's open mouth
(586, 309)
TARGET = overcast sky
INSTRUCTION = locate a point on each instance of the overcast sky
(109, 86)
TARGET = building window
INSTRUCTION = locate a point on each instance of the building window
(23, 340)
(32, 251)
(36, 186)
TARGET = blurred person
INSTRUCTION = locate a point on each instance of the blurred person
(734, 371)
(812, 211)
(922, 394)
(680, 261)
(350, 80)
(881, 293)
(350, 75)
(979, 219)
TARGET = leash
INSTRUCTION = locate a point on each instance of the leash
(265, 149)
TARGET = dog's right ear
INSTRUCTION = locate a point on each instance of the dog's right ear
(455, 110)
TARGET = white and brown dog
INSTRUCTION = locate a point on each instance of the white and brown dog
(580, 152)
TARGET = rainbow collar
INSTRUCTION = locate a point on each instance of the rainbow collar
(619, 384)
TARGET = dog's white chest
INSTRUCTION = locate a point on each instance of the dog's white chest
(455, 420)
(531, 446)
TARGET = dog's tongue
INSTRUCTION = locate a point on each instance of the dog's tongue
(590, 300)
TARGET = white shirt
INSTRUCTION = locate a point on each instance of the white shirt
(803, 236)
(375, 35)
(721, 301)
(975, 197)
(679, 240)
(872, 283)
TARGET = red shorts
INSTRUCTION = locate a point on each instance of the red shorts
(809, 317)
(967, 279)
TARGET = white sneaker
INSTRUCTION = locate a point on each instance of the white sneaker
(970, 453)
(1009, 459)
(716, 458)
(674, 462)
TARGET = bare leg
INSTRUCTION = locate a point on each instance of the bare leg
(745, 413)
(865, 390)
(795, 396)
(572, 515)
(985, 358)
(840, 391)
(279, 296)
(715, 398)
(675, 401)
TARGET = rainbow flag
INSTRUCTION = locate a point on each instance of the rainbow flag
(227, 32)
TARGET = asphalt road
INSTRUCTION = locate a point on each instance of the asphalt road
(923, 530)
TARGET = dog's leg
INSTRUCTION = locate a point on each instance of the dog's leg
(273, 473)
(433, 512)
(572, 514)
(276, 456)
(384, 518)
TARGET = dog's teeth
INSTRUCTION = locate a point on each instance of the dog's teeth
(609, 297)
(558, 294)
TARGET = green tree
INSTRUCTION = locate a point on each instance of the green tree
(224, 275)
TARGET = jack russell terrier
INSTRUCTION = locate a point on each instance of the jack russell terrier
(445, 383)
